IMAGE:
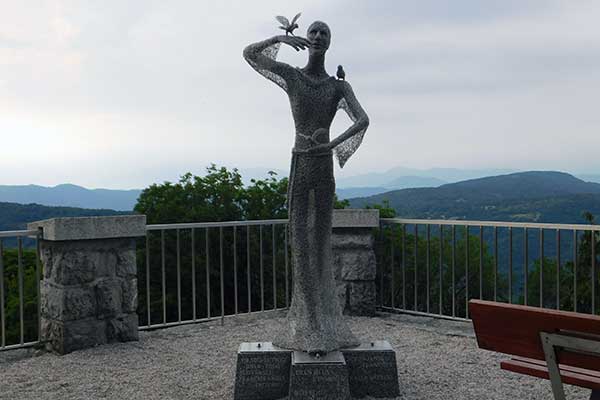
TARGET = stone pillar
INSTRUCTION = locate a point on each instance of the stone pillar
(89, 287)
(354, 259)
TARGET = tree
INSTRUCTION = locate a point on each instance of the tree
(396, 258)
(411, 269)
(220, 195)
(266, 199)
(340, 204)
(11, 295)
(217, 196)
(385, 210)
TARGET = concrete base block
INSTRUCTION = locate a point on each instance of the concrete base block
(372, 370)
(266, 372)
(319, 377)
(262, 373)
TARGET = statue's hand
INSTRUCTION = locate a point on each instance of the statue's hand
(297, 42)
(318, 133)
(320, 148)
(321, 141)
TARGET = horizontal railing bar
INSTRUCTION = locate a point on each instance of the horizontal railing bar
(457, 222)
(422, 314)
(4, 234)
(19, 346)
(158, 227)
(201, 320)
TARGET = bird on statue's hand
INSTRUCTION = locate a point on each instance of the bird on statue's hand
(288, 26)
(341, 74)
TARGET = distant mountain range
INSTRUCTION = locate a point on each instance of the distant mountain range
(68, 195)
(401, 182)
(348, 193)
(367, 186)
(442, 175)
(541, 196)
(590, 177)
(406, 178)
(535, 196)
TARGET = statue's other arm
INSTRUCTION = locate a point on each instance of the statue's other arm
(262, 57)
(356, 113)
(348, 142)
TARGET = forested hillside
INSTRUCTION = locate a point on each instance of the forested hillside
(15, 216)
(527, 196)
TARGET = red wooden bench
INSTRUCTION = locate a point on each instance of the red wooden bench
(557, 345)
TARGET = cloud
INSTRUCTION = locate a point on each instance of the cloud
(142, 91)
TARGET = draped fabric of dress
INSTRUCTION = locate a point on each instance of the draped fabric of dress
(314, 323)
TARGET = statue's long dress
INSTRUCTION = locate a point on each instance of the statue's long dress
(315, 322)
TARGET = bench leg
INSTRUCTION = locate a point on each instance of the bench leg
(552, 363)
(595, 395)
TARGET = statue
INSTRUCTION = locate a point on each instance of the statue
(315, 323)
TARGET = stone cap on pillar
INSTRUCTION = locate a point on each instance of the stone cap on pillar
(355, 218)
(87, 228)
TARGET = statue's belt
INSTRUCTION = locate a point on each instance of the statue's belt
(306, 152)
(312, 139)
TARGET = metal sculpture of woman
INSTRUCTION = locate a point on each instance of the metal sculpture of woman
(315, 323)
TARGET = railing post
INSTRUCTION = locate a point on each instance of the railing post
(89, 289)
(404, 266)
(2, 316)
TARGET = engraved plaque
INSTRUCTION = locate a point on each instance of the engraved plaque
(323, 378)
(263, 372)
(372, 370)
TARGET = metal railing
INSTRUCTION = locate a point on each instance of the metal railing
(434, 267)
(189, 273)
(20, 271)
(198, 272)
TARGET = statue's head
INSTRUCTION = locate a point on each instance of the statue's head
(319, 36)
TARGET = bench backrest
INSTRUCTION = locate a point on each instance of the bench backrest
(515, 330)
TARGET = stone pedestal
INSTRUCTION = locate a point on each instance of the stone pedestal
(263, 372)
(89, 287)
(373, 370)
(354, 259)
(266, 372)
(323, 378)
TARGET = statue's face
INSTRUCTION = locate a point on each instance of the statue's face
(319, 36)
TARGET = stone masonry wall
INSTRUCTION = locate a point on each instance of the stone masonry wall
(89, 293)
(354, 260)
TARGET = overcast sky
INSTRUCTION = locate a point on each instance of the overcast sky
(121, 94)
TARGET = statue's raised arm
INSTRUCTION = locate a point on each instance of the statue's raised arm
(262, 57)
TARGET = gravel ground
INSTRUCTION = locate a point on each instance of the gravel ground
(436, 360)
